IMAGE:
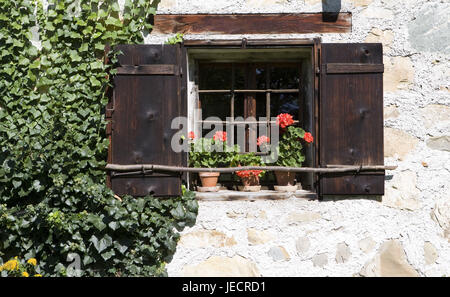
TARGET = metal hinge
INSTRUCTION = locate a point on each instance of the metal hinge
(317, 70)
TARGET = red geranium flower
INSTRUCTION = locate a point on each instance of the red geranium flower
(191, 135)
(262, 139)
(284, 120)
(247, 173)
(220, 135)
(308, 137)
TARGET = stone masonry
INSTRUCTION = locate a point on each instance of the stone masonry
(407, 232)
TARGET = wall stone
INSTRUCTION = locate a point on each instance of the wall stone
(217, 266)
(312, 2)
(385, 37)
(320, 260)
(430, 253)
(279, 253)
(206, 238)
(343, 253)
(367, 244)
(390, 112)
(256, 237)
(441, 143)
(303, 217)
(302, 245)
(167, 4)
(357, 3)
(441, 215)
(397, 143)
(434, 114)
(402, 192)
(389, 262)
(398, 73)
(429, 31)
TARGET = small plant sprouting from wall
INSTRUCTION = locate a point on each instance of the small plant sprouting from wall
(178, 38)
(53, 197)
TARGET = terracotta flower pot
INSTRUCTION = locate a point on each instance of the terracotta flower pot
(285, 178)
(251, 180)
(250, 183)
(209, 179)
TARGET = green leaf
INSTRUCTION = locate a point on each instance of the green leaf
(46, 45)
(74, 56)
(94, 81)
(96, 65)
(107, 255)
(102, 244)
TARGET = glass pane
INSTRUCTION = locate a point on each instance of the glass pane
(260, 105)
(215, 105)
(284, 103)
(239, 105)
(215, 76)
(284, 77)
(239, 76)
(260, 78)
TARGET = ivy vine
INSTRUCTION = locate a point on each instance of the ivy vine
(53, 147)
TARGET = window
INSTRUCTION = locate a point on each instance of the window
(336, 87)
(237, 85)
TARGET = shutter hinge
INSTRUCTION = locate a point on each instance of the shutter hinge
(317, 70)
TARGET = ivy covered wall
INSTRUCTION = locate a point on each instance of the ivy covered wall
(53, 197)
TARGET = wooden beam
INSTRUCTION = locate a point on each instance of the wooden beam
(334, 169)
(250, 42)
(276, 23)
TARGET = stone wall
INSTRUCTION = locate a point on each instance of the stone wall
(408, 231)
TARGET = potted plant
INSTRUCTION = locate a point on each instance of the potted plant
(289, 151)
(210, 153)
(249, 178)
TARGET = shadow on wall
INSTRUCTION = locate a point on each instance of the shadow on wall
(328, 198)
(330, 10)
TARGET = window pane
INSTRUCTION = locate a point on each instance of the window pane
(215, 76)
(239, 76)
(260, 105)
(284, 77)
(239, 105)
(284, 103)
(261, 78)
(215, 105)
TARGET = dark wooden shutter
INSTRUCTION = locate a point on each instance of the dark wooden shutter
(351, 116)
(149, 91)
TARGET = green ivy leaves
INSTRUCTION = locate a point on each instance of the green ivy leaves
(53, 198)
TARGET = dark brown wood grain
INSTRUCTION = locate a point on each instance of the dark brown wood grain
(351, 116)
(249, 43)
(149, 69)
(144, 106)
(277, 23)
(354, 68)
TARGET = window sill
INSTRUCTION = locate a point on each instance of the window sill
(227, 195)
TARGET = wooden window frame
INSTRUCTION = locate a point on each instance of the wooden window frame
(314, 44)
